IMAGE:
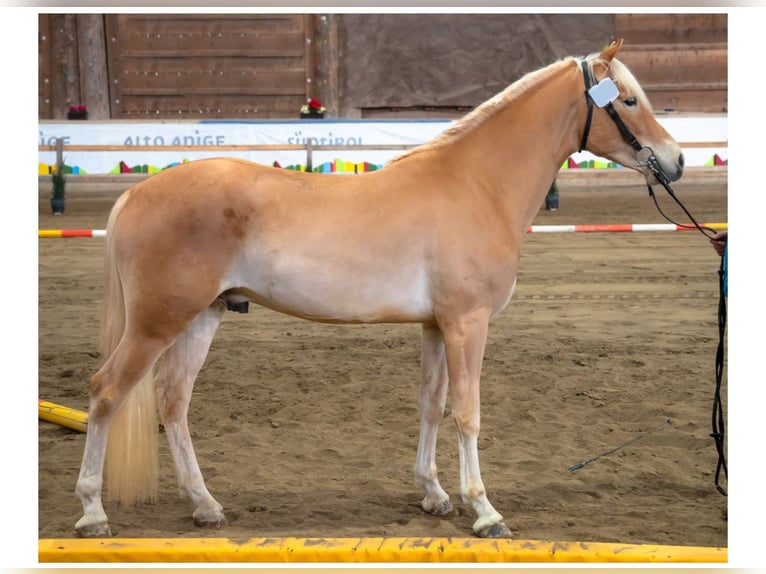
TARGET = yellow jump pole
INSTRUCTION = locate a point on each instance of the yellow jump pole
(374, 550)
(64, 416)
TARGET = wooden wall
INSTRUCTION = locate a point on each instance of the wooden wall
(72, 65)
(261, 66)
(208, 66)
(161, 66)
(681, 60)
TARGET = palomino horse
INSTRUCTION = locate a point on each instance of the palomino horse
(432, 238)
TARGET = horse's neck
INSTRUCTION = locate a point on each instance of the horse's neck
(517, 151)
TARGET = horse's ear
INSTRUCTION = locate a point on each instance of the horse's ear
(611, 50)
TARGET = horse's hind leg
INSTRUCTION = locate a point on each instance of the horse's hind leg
(129, 362)
(433, 394)
(174, 382)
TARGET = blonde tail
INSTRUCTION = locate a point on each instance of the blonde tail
(131, 467)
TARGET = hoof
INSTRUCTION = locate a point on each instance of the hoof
(497, 530)
(95, 530)
(210, 520)
(441, 508)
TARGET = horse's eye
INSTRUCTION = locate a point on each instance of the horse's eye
(630, 102)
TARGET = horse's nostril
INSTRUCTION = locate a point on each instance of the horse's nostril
(681, 160)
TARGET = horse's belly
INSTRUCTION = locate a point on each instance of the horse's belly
(339, 294)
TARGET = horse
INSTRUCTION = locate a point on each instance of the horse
(432, 238)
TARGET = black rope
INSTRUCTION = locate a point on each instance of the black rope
(626, 133)
(706, 231)
(718, 434)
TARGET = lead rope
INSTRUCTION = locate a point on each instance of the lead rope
(718, 423)
(718, 418)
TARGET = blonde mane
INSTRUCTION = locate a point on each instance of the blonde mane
(483, 111)
(618, 71)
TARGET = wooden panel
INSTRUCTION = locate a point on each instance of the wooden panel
(226, 22)
(44, 91)
(136, 107)
(191, 46)
(226, 75)
(113, 65)
(660, 64)
(689, 79)
(232, 65)
(219, 89)
(65, 77)
(92, 63)
(681, 60)
(638, 29)
(702, 99)
(325, 61)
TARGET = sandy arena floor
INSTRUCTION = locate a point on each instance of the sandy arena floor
(305, 429)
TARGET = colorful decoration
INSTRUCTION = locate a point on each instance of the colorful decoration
(589, 164)
(340, 166)
(48, 169)
(123, 167)
(716, 160)
(336, 166)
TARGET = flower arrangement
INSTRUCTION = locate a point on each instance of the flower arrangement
(312, 109)
(78, 112)
(58, 192)
(58, 179)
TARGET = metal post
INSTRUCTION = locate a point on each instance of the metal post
(60, 154)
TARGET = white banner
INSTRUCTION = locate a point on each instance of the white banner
(348, 133)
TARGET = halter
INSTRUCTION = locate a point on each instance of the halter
(641, 151)
(645, 156)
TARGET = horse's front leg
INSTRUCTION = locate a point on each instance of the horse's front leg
(433, 394)
(465, 338)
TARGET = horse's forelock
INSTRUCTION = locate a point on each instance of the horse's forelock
(620, 73)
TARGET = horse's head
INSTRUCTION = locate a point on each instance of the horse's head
(620, 124)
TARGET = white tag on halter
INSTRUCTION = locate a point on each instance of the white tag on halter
(603, 93)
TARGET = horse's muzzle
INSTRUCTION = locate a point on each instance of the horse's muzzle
(659, 171)
(679, 171)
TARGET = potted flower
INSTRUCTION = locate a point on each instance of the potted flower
(78, 113)
(58, 193)
(312, 110)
